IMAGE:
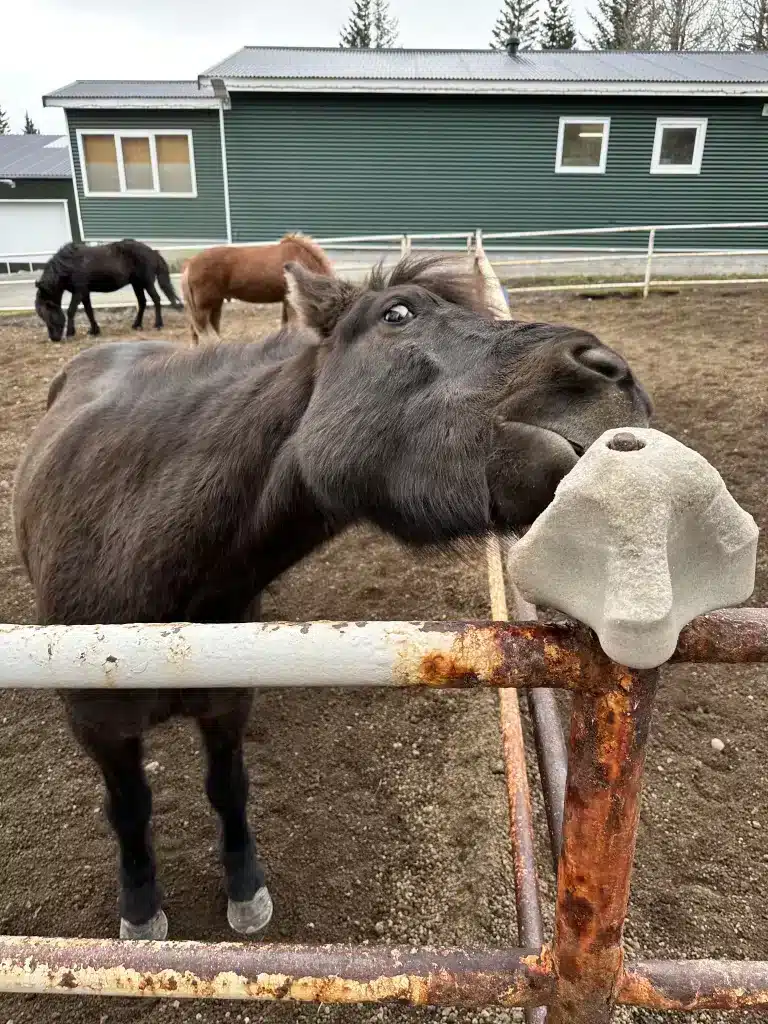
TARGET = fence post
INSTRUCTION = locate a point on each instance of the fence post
(609, 732)
(405, 245)
(648, 262)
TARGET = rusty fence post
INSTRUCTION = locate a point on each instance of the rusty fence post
(608, 739)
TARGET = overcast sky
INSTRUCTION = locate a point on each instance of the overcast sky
(48, 43)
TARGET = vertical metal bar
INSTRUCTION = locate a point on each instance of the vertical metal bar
(548, 735)
(552, 756)
(527, 899)
(648, 262)
(602, 805)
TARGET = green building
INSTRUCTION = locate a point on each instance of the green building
(340, 142)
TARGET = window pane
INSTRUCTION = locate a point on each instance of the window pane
(138, 165)
(173, 167)
(677, 146)
(101, 163)
(582, 144)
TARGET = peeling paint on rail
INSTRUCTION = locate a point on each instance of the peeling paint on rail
(323, 974)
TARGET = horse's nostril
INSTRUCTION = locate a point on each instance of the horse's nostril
(603, 361)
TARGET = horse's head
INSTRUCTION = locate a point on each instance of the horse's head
(436, 421)
(48, 308)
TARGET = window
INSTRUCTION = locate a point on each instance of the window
(582, 145)
(679, 145)
(138, 163)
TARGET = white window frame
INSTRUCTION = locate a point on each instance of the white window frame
(700, 124)
(600, 169)
(136, 133)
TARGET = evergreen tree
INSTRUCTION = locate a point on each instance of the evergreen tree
(356, 34)
(370, 25)
(385, 25)
(557, 30)
(29, 125)
(5, 128)
(518, 19)
(624, 25)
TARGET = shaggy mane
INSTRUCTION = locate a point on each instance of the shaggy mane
(452, 278)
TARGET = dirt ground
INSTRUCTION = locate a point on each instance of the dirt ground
(381, 816)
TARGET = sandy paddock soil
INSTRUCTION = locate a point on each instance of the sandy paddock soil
(381, 817)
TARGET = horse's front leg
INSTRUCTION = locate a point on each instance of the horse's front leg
(95, 329)
(222, 727)
(129, 809)
(71, 310)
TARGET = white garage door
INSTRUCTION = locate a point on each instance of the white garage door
(32, 226)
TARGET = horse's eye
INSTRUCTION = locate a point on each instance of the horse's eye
(398, 314)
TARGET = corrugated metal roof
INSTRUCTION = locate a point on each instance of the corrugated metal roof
(133, 90)
(34, 156)
(492, 65)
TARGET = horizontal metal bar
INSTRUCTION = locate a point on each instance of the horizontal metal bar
(354, 974)
(691, 985)
(231, 970)
(634, 228)
(346, 654)
(658, 283)
(432, 654)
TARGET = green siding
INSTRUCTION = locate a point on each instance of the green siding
(48, 188)
(349, 165)
(202, 219)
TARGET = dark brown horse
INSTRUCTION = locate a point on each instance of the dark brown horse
(81, 269)
(167, 483)
(248, 273)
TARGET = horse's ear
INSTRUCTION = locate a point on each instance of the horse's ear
(317, 301)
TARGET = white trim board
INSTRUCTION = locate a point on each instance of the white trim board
(136, 133)
(131, 103)
(514, 87)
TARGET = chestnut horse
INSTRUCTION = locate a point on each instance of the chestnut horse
(248, 273)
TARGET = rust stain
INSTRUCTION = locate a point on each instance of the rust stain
(607, 751)
(687, 987)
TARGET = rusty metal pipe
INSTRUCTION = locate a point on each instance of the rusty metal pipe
(530, 928)
(552, 755)
(231, 970)
(602, 807)
(690, 985)
(263, 654)
(730, 637)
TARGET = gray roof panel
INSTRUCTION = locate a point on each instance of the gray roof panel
(99, 90)
(34, 156)
(491, 65)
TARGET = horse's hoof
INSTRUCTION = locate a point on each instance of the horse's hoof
(95, 332)
(251, 916)
(155, 928)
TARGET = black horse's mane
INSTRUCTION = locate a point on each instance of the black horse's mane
(59, 265)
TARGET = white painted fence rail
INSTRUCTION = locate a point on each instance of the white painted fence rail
(407, 242)
(251, 654)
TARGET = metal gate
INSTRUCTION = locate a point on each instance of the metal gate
(581, 973)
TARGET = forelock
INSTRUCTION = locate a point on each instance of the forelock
(451, 278)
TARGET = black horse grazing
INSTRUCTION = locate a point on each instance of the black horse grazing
(166, 483)
(82, 269)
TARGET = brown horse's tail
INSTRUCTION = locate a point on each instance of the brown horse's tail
(315, 256)
(190, 306)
